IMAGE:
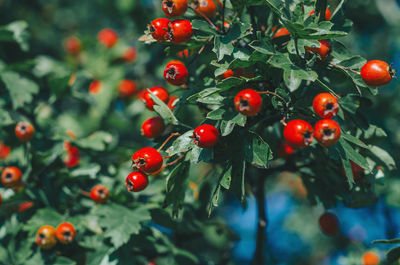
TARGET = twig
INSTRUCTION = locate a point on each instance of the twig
(344, 68)
(274, 94)
(204, 16)
(84, 193)
(175, 161)
(166, 141)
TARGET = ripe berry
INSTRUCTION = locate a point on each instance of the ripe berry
(298, 133)
(95, 87)
(248, 102)
(11, 177)
(207, 7)
(286, 150)
(325, 105)
(174, 8)
(24, 131)
(180, 30)
(377, 73)
(205, 136)
(281, 32)
(227, 74)
(153, 127)
(159, 29)
(136, 181)
(73, 45)
(329, 224)
(46, 237)
(370, 258)
(147, 160)
(99, 194)
(328, 14)
(25, 206)
(130, 54)
(323, 51)
(107, 37)
(173, 100)
(176, 73)
(127, 88)
(327, 132)
(184, 54)
(73, 157)
(65, 233)
(159, 92)
(4, 151)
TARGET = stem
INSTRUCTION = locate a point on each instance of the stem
(204, 16)
(166, 141)
(274, 94)
(200, 51)
(262, 221)
(175, 161)
(327, 88)
(344, 68)
(85, 193)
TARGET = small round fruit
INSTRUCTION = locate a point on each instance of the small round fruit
(24, 131)
(327, 132)
(205, 136)
(176, 73)
(65, 233)
(147, 160)
(5, 151)
(228, 73)
(25, 206)
(370, 258)
(174, 8)
(206, 7)
(329, 224)
(323, 51)
(73, 45)
(377, 73)
(95, 87)
(248, 102)
(173, 100)
(286, 150)
(326, 105)
(180, 30)
(73, 157)
(11, 177)
(328, 14)
(130, 55)
(281, 32)
(159, 92)
(158, 28)
(107, 37)
(99, 194)
(136, 181)
(298, 133)
(46, 237)
(127, 88)
(153, 127)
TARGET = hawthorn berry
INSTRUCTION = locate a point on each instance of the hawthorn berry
(285, 150)
(180, 30)
(205, 136)
(174, 8)
(73, 157)
(25, 206)
(158, 28)
(298, 133)
(153, 127)
(127, 88)
(327, 132)
(11, 177)
(147, 160)
(46, 237)
(4, 151)
(73, 45)
(228, 73)
(129, 54)
(281, 32)
(24, 131)
(136, 181)
(326, 105)
(206, 7)
(65, 233)
(107, 37)
(377, 73)
(248, 102)
(370, 258)
(176, 73)
(323, 51)
(328, 14)
(95, 87)
(99, 194)
(173, 100)
(329, 224)
(159, 92)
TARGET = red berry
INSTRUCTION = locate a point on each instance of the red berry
(207, 7)
(4, 151)
(130, 54)
(158, 28)
(24, 131)
(11, 177)
(281, 32)
(184, 54)
(180, 30)
(323, 51)
(173, 100)
(377, 73)
(325, 105)
(127, 88)
(327, 132)
(328, 14)
(159, 92)
(147, 160)
(205, 136)
(65, 233)
(99, 194)
(286, 150)
(227, 74)
(298, 133)
(136, 181)
(370, 258)
(329, 224)
(46, 237)
(248, 102)
(73, 157)
(25, 206)
(176, 73)
(174, 8)
(95, 87)
(107, 37)
(73, 45)
(153, 127)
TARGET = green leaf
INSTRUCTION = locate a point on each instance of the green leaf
(352, 154)
(393, 254)
(21, 89)
(202, 25)
(198, 154)
(90, 170)
(182, 144)
(354, 140)
(387, 241)
(162, 109)
(43, 216)
(16, 31)
(256, 151)
(96, 141)
(238, 176)
(176, 186)
(383, 156)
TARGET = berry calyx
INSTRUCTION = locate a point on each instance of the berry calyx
(127, 88)
(153, 127)
(248, 102)
(176, 73)
(136, 181)
(73, 45)
(323, 51)
(174, 8)
(11, 177)
(329, 224)
(370, 258)
(95, 87)
(206, 7)
(159, 92)
(129, 54)
(65, 233)
(205, 136)
(147, 160)
(325, 105)
(377, 73)
(24, 131)
(327, 132)
(99, 194)
(158, 28)
(173, 100)
(46, 237)
(281, 32)
(298, 133)
(180, 30)
(328, 14)
(107, 37)
(286, 150)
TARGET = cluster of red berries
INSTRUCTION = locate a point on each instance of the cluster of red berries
(47, 235)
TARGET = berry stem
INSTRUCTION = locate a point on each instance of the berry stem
(175, 161)
(85, 193)
(272, 93)
(166, 141)
(344, 68)
(204, 16)
(322, 84)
